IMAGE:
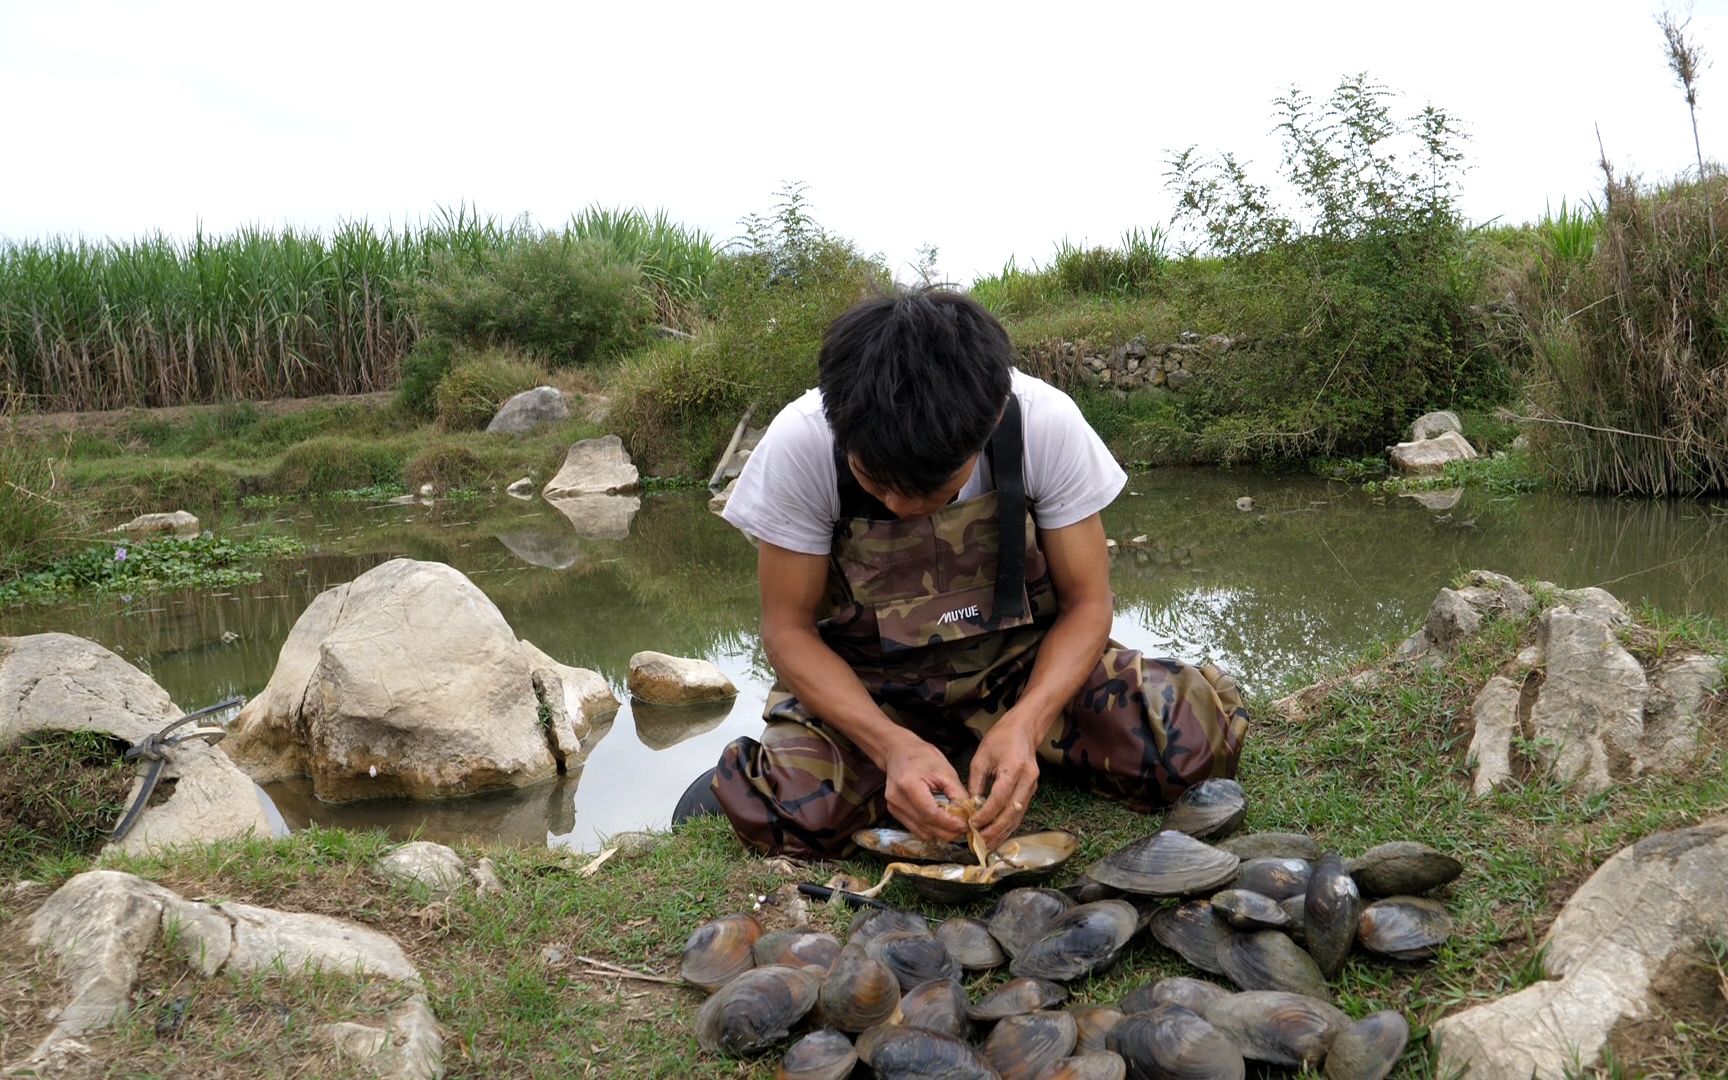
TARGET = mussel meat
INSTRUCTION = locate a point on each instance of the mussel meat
(1404, 927)
(1276, 878)
(903, 1053)
(969, 943)
(1403, 868)
(1021, 916)
(1245, 910)
(1079, 941)
(874, 921)
(1191, 994)
(1192, 931)
(1018, 996)
(1170, 1041)
(1211, 809)
(1020, 1046)
(1167, 863)
(1271, 845)
(820, 1055)
(1092, 1024)
(914, 958)
(809, 949)
(1096, 1065)
(939, 1005)
(719, 951)
(1329, 911)
(1268, 960)
(755, 1010)
(859, 992)
(1369, 1048)
(1280, 1028)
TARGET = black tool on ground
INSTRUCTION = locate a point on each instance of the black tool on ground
(158, 749)
(823, 892)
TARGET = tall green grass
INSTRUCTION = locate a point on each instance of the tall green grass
(35, 520)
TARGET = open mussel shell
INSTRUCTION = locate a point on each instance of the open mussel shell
(1192, 994)
(1021, 916)
(939, 1005)
(1329, 911)
(903, 1053)
(1268, 960)
(820, 1055)
(1403, 868)
(1092, 1024)
(1369, 1048)
(811, 950)
(1016, 997)
(1211, 809)
(858, 992)
(1404, 927)
(1167, 863)
(1192, 931)
(898, 844)
(1275, 1027)
(1020, 1046)
(1176, 1043)
(755, 1010)
(1245, 910)
(1096, 1065)
(1079, 941)
(1276, 878)
(874, 921)
(1271, 845)
(914, 958)
(969, 942)
(719, 951)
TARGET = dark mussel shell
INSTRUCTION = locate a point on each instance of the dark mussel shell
(914, 958)
(1092, 1024)
(858, 992)
(1271, 845)
(1268, 960)
(1022, 915)
(755, 1010)
(1280, 1028)
(1020, 1046)
(1167, 863)
(1079, 942)
(969, 942)
(1192, 931)
(1175, 1043)
(902, 1053)
(1369, 1048)
(1297, 908)
(820, 1055)
(873, 921)
(1084, 890)
(1329, 911)
(1403, 868)
(1245, 910)
(1404, 927)
(1018, 996)
(719, 951)
(1276, 878)
(1095, 1065)
(1211, 809)
(811, 950)
(1191, 994)
(939, 1005)
(898, 844)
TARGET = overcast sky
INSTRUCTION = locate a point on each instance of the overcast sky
(989, 130)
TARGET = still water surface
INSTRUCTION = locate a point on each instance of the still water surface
(1315, 573)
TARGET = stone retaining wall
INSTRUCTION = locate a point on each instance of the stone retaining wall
(1141, 365)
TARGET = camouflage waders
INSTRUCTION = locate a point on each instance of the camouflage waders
(943, 634)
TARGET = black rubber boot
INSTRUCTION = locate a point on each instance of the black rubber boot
(698, 799)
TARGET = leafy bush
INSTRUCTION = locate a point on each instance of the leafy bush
(445, 465)
(471, 392)
(337, 463)
(422, 370)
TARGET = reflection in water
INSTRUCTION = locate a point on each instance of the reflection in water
(1315, 573)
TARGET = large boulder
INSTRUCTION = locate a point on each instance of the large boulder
(529, 410)
(1431, 455)
(57, 682)
(1458, 613)
(1433, 425)
(1646, 918)
(594, 467)
(177, 523)
(405, 682)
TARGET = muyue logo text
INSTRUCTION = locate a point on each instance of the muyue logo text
(959, 613)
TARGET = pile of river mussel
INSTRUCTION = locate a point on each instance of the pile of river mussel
(1270, 912)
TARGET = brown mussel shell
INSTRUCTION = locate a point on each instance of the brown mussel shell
(1176, 1043)
(1369, 1048)
(811, 950)
(969, 942)
(1403, 868)
(1245, 910)
(1021, 916)
(1268, 960)
(1191, 994)
(1329, 912)
(1404, 927)
(1192, 931)
(1020, 1046)
(1271, 845)
(1167, 863)
(1092, 1024)
(1279, 879)
(1210, 810)
(1297, 908)
(1280, 1028)
(1016, 997)
(1079, 942)
(858, 992)
(820, 1055)
(914, 958)
(898, 844)
(939, 1005)
(902, 1053)
(874, 921)
(718, 952)
(1094, 1065)
(755, 1010)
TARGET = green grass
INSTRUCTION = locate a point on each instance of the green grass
(60, 793)
(1510, 474)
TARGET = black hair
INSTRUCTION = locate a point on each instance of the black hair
(912, 385)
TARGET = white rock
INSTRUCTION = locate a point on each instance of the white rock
(717, 503)
(529, 410)
(660, 679)
(423, 863)
(521, 489)
(178, 524)
(485, 878)
(594, 467)
(1245, 503)
(1431, 455)
(1434, 424)
(1495, 716)
(427, 491)
(1451, 619)
(1588, 720)
(598, 517)
(1679, 689)
(576, 700)
(1649, 910)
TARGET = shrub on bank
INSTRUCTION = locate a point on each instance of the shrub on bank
(35, 520)
(470, 393)
(337, 463)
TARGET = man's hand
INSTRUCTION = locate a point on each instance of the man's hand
(916, 772)
(1006, 766)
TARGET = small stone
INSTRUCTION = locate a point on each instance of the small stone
(1178, 378)
(1188, 337)
(1139, 541)
(427, 491)
(485, 877)
(1245, 503)
(660, 679)
(178, 524)
(553, 955)
(229, 637)
(521, 489)
(422, 862)
(1110, 545)
(1434, 424)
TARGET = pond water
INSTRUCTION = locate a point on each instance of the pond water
(1315, 573)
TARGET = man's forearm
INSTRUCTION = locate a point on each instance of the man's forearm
(831, 690)
(1066, 657)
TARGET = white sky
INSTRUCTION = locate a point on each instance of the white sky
(989, 130)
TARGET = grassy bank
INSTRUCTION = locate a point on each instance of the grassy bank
(1355, 765)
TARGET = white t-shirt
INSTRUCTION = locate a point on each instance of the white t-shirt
(788, 493)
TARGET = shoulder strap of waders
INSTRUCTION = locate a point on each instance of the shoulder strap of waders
(1006, 463)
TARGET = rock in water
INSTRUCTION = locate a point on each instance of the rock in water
(529, 410)
(178, 524)
(594, 467)
(660, 679)
(1431, 455)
